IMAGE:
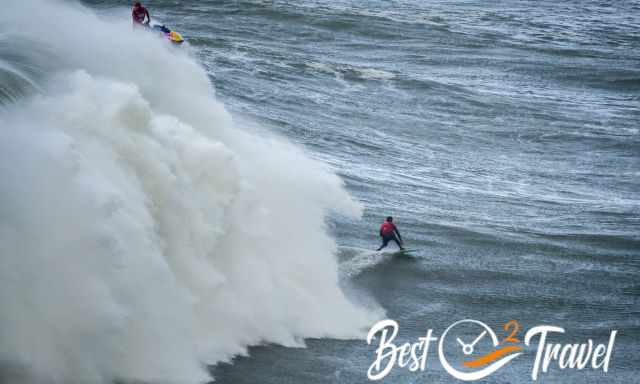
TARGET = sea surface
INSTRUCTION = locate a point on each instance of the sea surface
(502, 136)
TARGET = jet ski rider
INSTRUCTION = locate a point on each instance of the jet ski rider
(139, 14)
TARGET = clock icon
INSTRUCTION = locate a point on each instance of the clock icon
(467, 349)
(486, 365)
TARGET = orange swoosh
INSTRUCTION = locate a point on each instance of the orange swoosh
(489, 357)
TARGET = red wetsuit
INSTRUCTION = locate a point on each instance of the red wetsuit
(387, 229)
(389, 232)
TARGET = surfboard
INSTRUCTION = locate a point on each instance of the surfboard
(406, 251)
(399, 252)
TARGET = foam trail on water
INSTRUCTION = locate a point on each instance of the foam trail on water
(142, 234)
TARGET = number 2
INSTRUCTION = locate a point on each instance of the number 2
(515, 328)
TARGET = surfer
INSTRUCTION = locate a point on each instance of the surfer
(388, 232)
(139, 14)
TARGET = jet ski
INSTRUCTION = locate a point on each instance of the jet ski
(172, 36)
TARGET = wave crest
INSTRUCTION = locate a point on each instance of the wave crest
(142, 233)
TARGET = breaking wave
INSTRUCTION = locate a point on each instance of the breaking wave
(143, 235)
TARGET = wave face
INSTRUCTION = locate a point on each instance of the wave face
(142, 234)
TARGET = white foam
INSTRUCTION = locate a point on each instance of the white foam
(142, 233)
(362, 260)
(375, 74)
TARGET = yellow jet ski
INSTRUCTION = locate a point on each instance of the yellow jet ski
(172, 36)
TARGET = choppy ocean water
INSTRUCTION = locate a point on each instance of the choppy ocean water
(503, 137)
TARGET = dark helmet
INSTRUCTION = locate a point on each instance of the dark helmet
(137, 4)
(389, 218)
